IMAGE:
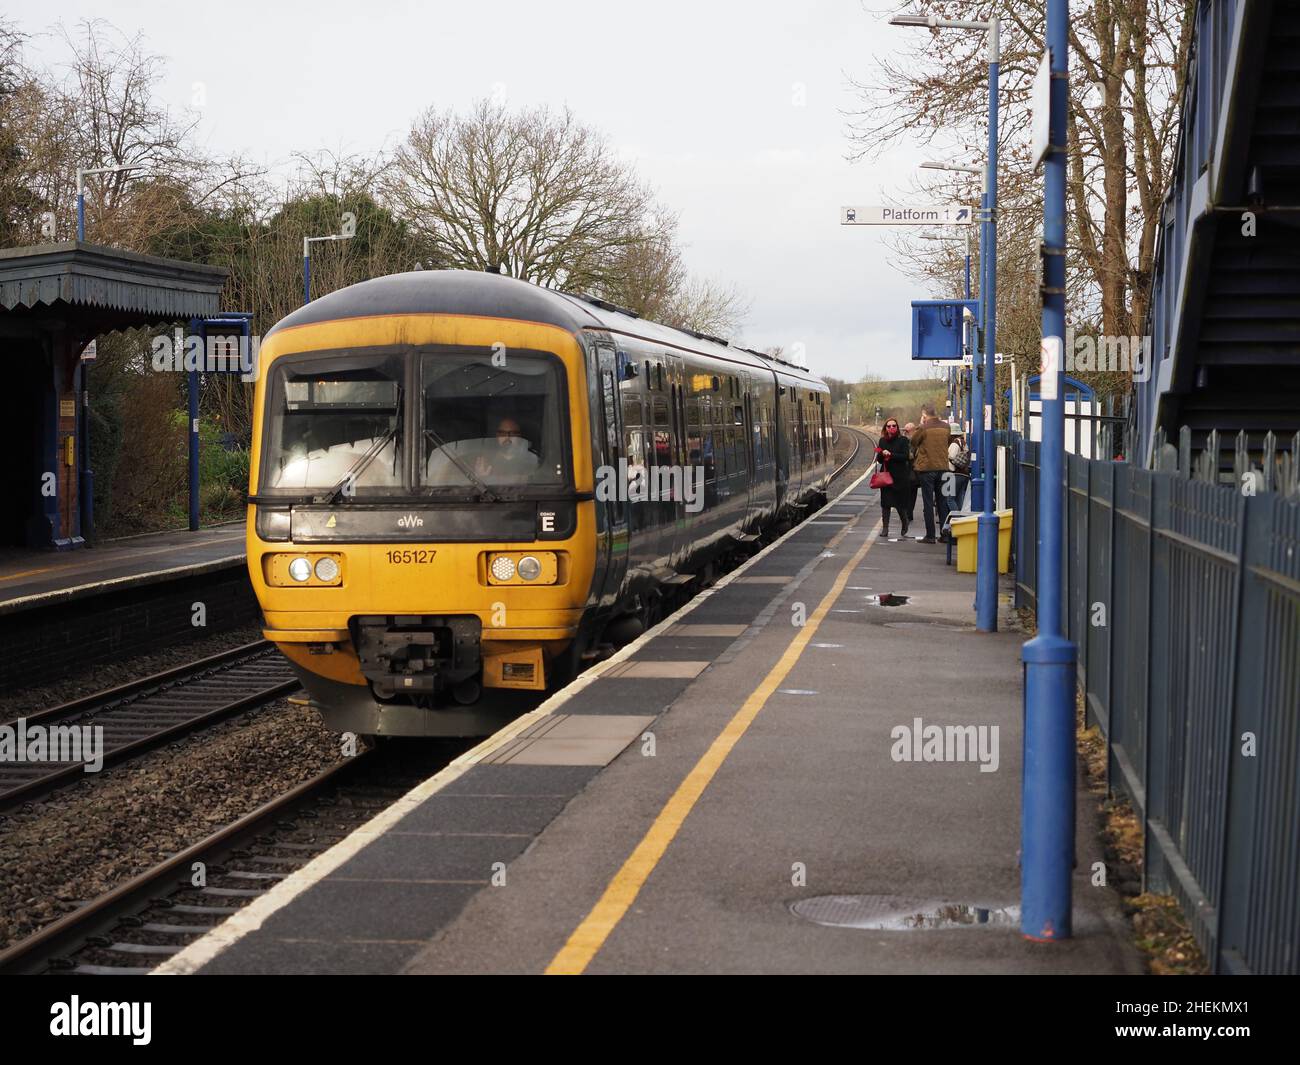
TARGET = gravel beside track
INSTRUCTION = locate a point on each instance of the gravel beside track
(91, 836)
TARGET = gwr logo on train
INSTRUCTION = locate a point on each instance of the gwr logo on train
(383, 421)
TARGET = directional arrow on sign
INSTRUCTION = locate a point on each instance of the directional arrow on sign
(950, 214)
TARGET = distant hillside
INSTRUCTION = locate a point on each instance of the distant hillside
(896, 399)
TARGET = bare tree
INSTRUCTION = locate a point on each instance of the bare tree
(645, 275)
(1128, 62)
(706, 306)
(535, 193)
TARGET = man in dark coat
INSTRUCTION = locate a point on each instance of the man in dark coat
(930, 462)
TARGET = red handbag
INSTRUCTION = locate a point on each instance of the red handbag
(882, 479)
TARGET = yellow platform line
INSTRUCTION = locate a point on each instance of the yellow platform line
(587, 939)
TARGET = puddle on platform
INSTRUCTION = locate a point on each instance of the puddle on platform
(894, 913)
(888, 599)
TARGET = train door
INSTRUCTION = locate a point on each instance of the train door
(750, 450)
(612, 539)
(781, 441)
(677, 416)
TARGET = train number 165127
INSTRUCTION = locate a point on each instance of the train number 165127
(410, 557)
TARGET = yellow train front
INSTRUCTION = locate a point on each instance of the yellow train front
(426, 519)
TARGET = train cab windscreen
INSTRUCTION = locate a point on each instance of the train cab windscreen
(492, 421)
(335, 421)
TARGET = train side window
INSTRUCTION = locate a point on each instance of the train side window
(632, 412)
(662, 437)
(694, 437)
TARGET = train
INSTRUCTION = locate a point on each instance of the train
(465, 487)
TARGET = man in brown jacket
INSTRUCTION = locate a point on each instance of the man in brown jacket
(929, 463)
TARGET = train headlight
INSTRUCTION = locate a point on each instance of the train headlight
(311, 570)
(525, 567)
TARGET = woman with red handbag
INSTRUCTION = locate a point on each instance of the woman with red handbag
(893, 475)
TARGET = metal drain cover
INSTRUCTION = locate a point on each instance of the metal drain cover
(899, 913)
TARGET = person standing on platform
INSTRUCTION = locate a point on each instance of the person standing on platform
(959, 464)
(930, 462)
(908, 430)
(895, 458)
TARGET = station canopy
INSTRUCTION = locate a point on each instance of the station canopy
(94, 289)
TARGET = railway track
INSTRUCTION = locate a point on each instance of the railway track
(857, 457)
(146, 713)
(141, 923)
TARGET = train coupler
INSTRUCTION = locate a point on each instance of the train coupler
(417, 654)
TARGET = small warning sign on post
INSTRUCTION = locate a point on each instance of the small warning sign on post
(1049, 383)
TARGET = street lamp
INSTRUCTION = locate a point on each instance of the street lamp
(974, 401)
(307, 242)
(959, 169)
(986, 578)
(955, 373)
(81, 189)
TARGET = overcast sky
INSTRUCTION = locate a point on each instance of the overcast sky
(732, 111)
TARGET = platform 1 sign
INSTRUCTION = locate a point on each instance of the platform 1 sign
(951, 214)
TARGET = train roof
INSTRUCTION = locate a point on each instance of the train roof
(491, 295)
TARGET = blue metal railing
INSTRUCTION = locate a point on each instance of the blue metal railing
(1183, 597)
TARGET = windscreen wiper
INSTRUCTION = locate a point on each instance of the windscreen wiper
(441, 444)
(358, 468)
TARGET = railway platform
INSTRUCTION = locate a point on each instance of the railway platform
(753, 786)
(30, 579)
(60, 610)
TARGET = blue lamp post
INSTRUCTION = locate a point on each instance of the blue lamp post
(986, 577)
(86, 479)
(982, 494)
(1047, 828)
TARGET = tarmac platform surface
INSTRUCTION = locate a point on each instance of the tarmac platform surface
(725, 795)
(40, 578)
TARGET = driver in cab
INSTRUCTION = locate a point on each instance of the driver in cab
(512, 458)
